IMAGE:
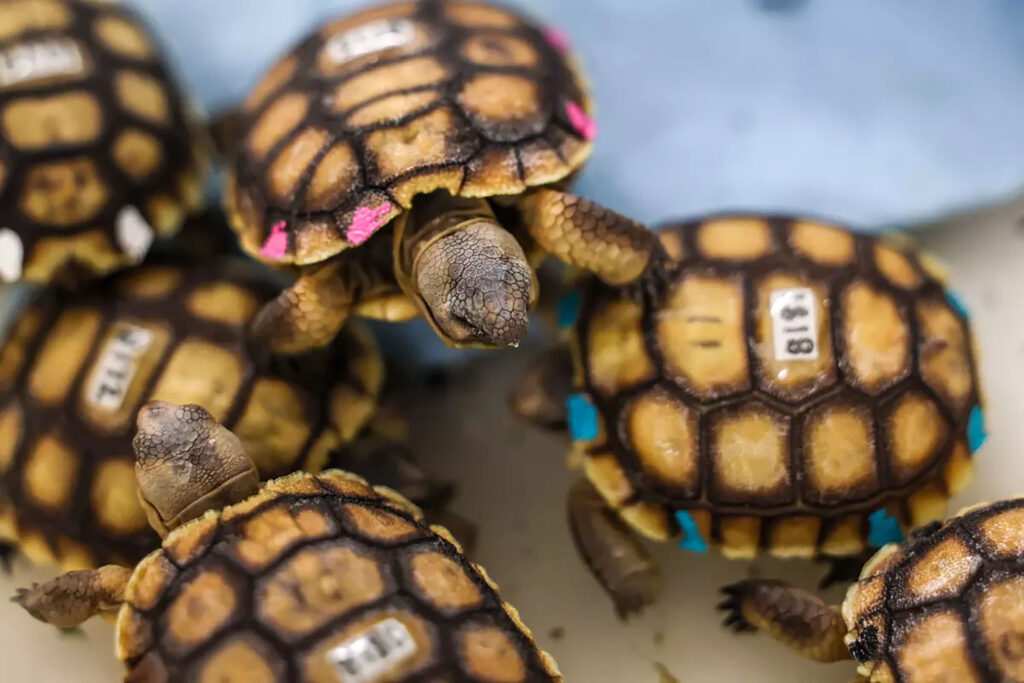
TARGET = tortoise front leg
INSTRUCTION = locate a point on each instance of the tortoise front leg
(309, 314)
(74, 597)
(588, 236)
(788, 614)
(612, 552)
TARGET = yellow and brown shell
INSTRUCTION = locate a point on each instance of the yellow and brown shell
(793, 387)
(396, 101)
(295, 582)
(947, 605)
(98, 156)
(76, 368)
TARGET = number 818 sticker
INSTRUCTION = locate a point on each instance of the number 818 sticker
(795, 324)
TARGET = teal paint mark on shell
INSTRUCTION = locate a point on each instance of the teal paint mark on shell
(977, 435)
(692, 540)
(884, 529)
(569, 309)
(582, 417)
(958, 305)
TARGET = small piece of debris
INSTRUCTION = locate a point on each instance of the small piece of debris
(557, 633)
(659, 638)
(663, 674)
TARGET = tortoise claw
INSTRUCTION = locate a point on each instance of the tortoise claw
(21, 594)
(631, 604)
(731, 606)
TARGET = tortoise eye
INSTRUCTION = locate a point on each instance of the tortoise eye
(865, 648)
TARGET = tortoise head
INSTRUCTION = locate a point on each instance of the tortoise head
(477, 285)
(187, 463)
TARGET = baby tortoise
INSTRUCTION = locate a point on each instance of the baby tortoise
(75, 368)
(946, 606)
(308, 577)
(456, 123)
(100, 156)
(789, 386)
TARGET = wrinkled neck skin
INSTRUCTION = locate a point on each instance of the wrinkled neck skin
(431, 218)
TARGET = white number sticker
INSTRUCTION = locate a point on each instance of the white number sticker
(795, 324)
(117, 365)
(39, 60)
(367, 657)
(134, 235)
(369, 38)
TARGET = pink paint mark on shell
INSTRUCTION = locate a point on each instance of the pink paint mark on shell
(367, 221)
(581, 121)
(277, 242)
(557, 38)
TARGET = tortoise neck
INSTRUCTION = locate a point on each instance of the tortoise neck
(434, 216)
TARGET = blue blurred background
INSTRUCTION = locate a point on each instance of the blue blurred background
(876, 112)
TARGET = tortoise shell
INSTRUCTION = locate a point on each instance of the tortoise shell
(793, 386)
(395, 101)
(947, 605)
(97, 154)
(300, 580)
(76, 368)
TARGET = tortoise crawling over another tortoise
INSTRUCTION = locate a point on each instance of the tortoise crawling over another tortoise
(787, 386)
(462, 121)
(100, 156)
(946, 606)
(309, 577)
(75, 368)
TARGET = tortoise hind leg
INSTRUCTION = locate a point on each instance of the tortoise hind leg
(589, 236)
(309, 314)
(792, 616)
(614, 555)
(74, 597)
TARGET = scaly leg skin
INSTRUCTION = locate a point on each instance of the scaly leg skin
(792, 616)
(72, 598)
(539, 395)
(309, 314)
(614, 555)
(588, 236)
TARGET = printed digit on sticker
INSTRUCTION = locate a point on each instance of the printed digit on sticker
(375, 36)
(42, 59)
(116, 366)
(378, 651)
(794, 324)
